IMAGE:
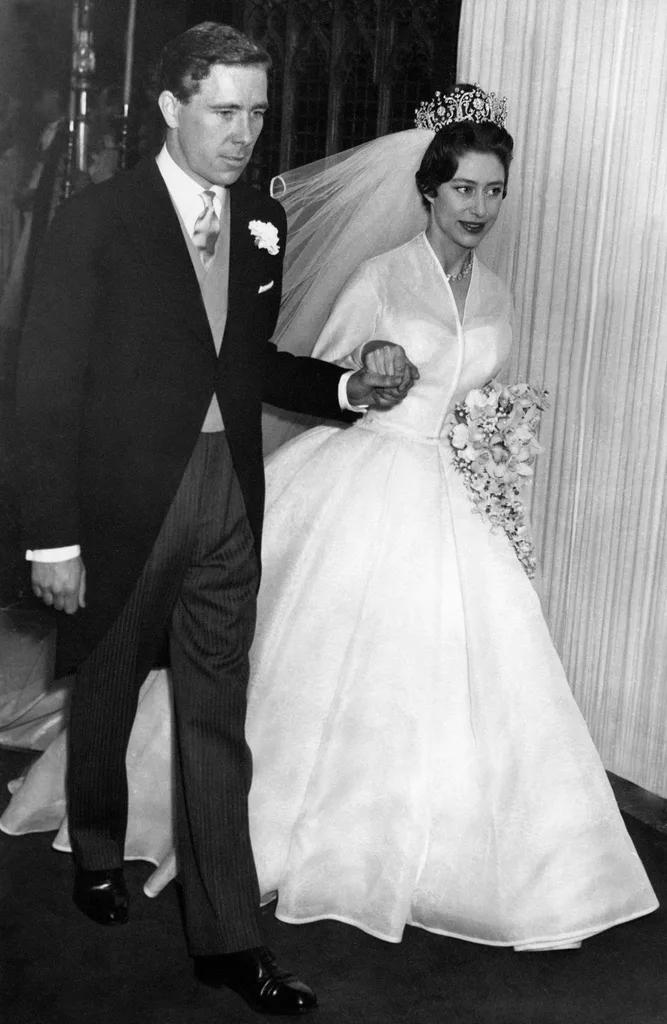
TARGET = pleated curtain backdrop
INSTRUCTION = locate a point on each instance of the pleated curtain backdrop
(583, 244)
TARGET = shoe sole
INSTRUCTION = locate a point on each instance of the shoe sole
(218, 985)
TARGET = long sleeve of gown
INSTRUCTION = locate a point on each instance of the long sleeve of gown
(352, 322)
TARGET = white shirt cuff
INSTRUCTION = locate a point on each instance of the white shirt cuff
(342, 394)
(53, 554)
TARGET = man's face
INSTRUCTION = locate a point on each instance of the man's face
(212, 136)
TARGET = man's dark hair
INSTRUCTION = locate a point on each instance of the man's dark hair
(186, 60)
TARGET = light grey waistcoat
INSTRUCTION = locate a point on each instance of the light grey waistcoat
(214, 284)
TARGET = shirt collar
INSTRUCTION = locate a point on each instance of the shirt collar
(185, 192)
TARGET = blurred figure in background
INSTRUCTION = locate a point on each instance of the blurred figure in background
(10, 107)
(41, 191)
(10, 170)
(105, 132)
(36, 199)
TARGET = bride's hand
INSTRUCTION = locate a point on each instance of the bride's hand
(386, 378)
(385, 357)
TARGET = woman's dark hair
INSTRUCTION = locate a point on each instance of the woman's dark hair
(441, 159)
(188, 59)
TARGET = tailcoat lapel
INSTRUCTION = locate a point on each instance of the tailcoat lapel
(150, 215)
(242, 274)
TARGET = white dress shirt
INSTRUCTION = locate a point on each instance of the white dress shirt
(185, 192)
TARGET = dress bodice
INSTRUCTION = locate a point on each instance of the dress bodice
(404, 296)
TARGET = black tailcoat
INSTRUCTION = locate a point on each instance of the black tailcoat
(117, 370)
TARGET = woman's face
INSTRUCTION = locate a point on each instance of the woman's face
(465, 209)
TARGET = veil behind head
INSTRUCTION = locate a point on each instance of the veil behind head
(341, 211)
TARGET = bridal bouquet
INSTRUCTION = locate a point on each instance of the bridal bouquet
(493, 433)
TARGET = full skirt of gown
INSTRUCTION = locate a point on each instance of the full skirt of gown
(418, 754)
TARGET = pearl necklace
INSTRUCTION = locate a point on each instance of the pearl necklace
(464, 271)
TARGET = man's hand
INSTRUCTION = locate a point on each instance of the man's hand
(61, 584)
(386, 378)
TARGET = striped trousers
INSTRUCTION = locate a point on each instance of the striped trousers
(200, 583)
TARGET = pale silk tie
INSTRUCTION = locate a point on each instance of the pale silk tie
(207, 229)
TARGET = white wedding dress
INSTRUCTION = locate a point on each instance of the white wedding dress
(418, 755)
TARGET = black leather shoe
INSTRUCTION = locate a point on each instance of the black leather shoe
(255, 975)
(102, 895)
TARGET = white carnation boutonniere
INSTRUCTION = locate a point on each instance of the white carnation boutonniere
(265, 235)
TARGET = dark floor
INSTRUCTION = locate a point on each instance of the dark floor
(59, 968)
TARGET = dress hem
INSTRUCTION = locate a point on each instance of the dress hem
(541, 945)
(537, 945)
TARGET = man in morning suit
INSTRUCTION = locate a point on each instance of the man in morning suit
(145, 360)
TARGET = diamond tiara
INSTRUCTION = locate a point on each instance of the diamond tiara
(461, 105)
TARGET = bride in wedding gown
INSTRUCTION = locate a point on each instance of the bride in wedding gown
(418, 755)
